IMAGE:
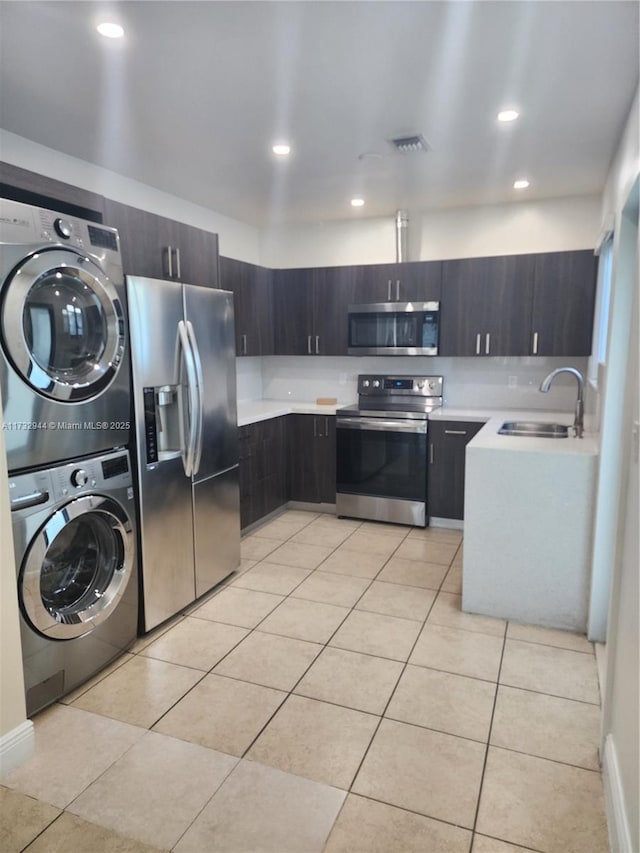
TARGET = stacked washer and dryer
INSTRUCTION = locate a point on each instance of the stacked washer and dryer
(65, 382)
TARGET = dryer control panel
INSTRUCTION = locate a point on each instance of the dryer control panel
(24, 224)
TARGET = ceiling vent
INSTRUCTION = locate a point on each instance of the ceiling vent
(410, 144)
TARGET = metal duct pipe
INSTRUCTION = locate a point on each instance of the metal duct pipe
(402, 228)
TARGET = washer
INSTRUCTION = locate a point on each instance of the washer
(75, 541)
(64, 359)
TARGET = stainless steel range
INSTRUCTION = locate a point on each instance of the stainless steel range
(382, 448)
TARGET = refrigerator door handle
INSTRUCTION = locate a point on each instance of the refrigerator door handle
(200, 383)
(192, 391)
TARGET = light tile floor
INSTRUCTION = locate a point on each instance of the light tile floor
(331, 696)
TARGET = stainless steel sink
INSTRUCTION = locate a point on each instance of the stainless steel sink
(534, 430)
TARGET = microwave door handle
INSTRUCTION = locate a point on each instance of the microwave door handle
(187, 355)
(200, 396)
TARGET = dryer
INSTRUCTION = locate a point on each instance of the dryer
(64, 359)
(74, 533)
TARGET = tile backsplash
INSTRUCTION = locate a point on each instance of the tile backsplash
(508, 383)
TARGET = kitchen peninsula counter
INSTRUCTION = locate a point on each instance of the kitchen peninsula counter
(529, 508)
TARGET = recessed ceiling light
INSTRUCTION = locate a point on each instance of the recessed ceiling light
(521, 184)
(110, 30)
(508, 115)
(357, 202)
(281, 149)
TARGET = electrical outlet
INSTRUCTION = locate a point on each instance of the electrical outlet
(513, 382)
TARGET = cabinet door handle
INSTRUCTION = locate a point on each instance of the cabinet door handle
(431, 454)
(326, 427)
(309, 344)
(168, 252)
(244, 345)
(535, 343)
(397, 291)
(178, 275)
(487, 343)
(478, 344)
(389, 291)
(455, 432)
(317, 344)
(315, 427)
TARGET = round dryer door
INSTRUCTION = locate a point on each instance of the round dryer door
(63, 325)
(77, 567)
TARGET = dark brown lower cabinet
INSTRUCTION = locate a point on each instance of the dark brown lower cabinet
(445, 478)
(312, 458)
(263, 468)
(288, 458)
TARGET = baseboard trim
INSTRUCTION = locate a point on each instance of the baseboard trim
(16, 747)
(446, 523)
(312, 507)
(619, 832)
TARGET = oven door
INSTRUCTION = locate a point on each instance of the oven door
(382, 469)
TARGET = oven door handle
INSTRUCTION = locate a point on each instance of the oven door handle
(380, 425)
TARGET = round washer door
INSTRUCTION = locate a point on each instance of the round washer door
(63, 325)
(77, 567)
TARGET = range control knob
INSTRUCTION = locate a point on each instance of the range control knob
(79, 478)
(63, 228)
(365, 383)
(376, 383)
(421, 385)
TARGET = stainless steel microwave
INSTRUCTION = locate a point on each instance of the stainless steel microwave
(394, 328)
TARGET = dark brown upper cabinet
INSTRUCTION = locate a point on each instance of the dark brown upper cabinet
(157, 247)
(333, 292)
(29, 187)
(310, 310)
(419, 281)
(486, 306)
(293, 312)
(563, 303)
(407, 282)
(253, 305)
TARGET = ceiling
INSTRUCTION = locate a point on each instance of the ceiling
(191, 100)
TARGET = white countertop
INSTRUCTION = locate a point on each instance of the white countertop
(488, 437)
(252, 411)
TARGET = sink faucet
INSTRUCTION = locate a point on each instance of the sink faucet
(578, 421)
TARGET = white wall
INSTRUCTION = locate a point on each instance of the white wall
(237, 240)
(505, 229)
(616, 525)
(249, 379)
(623, 172)
(12, 704)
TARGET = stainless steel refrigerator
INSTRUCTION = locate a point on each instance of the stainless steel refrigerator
(184, 395)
